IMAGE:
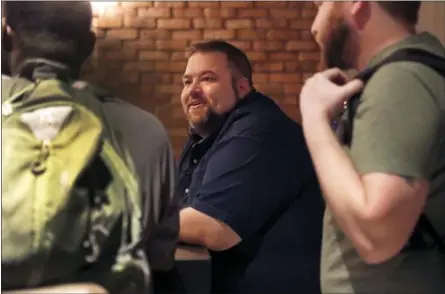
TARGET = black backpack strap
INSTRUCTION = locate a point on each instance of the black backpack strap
(436, 63)
(433, 61)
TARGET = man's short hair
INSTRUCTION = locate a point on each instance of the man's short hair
(407, 11)
(49, 29)
(236, 58)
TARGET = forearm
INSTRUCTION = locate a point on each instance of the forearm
(341, 184)
(191, 229)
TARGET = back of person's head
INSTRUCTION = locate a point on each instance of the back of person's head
(406, 11)
(55, 30)
(237, 59)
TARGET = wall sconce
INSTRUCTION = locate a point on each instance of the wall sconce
(100, 7)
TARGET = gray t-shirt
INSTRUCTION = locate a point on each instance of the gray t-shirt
(149, 145)
(399, 128)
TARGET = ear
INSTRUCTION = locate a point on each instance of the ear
(359, 13)
(243, 86)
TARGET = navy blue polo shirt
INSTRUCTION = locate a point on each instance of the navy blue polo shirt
(255, 174)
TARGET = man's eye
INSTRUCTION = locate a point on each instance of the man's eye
(187, 82)
(208, 79)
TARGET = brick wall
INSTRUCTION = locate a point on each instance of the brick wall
(140, 45)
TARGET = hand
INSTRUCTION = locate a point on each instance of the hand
(324, 94)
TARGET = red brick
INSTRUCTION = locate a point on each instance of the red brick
(260, 78)
(268, 45)
(284, 13)
(300, 24)
(247, 34)
(109, 22)
(171, 45)
(292, 88)
(176, 4)
(252, 12)
(177, 66)
(238, 4)
(306, 36)
(155, 12)
(253, 56)
(135, 4)
(187, 35)
(292, 66)
(121, 55)
(270, 89)
(267, 23)
(308, 13)
(177, 23)
(178, 56)
(104, 44)
(268, 66)
(139, 22)
(139, 44)
(169, 89)
(140, 66)
(188, 12)
(243, 45)
(153, 55)
(219, 12)
(285, 56)
(207, 23)
(277, 34)
(239, 24)
(270, 4)
(157, 78)
(285, 78)
(203, 4)
(219, 34)
(123, 34)
(301, 46)
(156, 34)
(314, 56)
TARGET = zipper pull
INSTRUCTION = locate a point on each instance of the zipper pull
(39, 166)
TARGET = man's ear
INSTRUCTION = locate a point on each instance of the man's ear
(243, 86)
(359, 13)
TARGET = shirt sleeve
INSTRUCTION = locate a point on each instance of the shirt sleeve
(249, 180)
(160, 200)
(397, 125)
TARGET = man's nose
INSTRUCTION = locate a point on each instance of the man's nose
(195, 90)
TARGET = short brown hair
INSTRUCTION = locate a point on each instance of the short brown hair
(407, 11)
(236, 58)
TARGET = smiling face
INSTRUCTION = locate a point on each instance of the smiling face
(209, 92)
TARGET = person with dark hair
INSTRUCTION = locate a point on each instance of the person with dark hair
(246, 180)
(48, 41)
(383, 172)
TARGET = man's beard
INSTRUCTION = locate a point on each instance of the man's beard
(336, 48)
(212, 121)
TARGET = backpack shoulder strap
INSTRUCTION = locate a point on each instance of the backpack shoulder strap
(426, 58)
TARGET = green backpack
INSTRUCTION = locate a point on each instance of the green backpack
(68, 187)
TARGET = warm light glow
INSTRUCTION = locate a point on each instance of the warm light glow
(101, 7)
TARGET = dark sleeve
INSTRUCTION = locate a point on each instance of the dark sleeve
(247, 181)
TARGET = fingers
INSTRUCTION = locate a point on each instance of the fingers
(353, 87)
(335, 75)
